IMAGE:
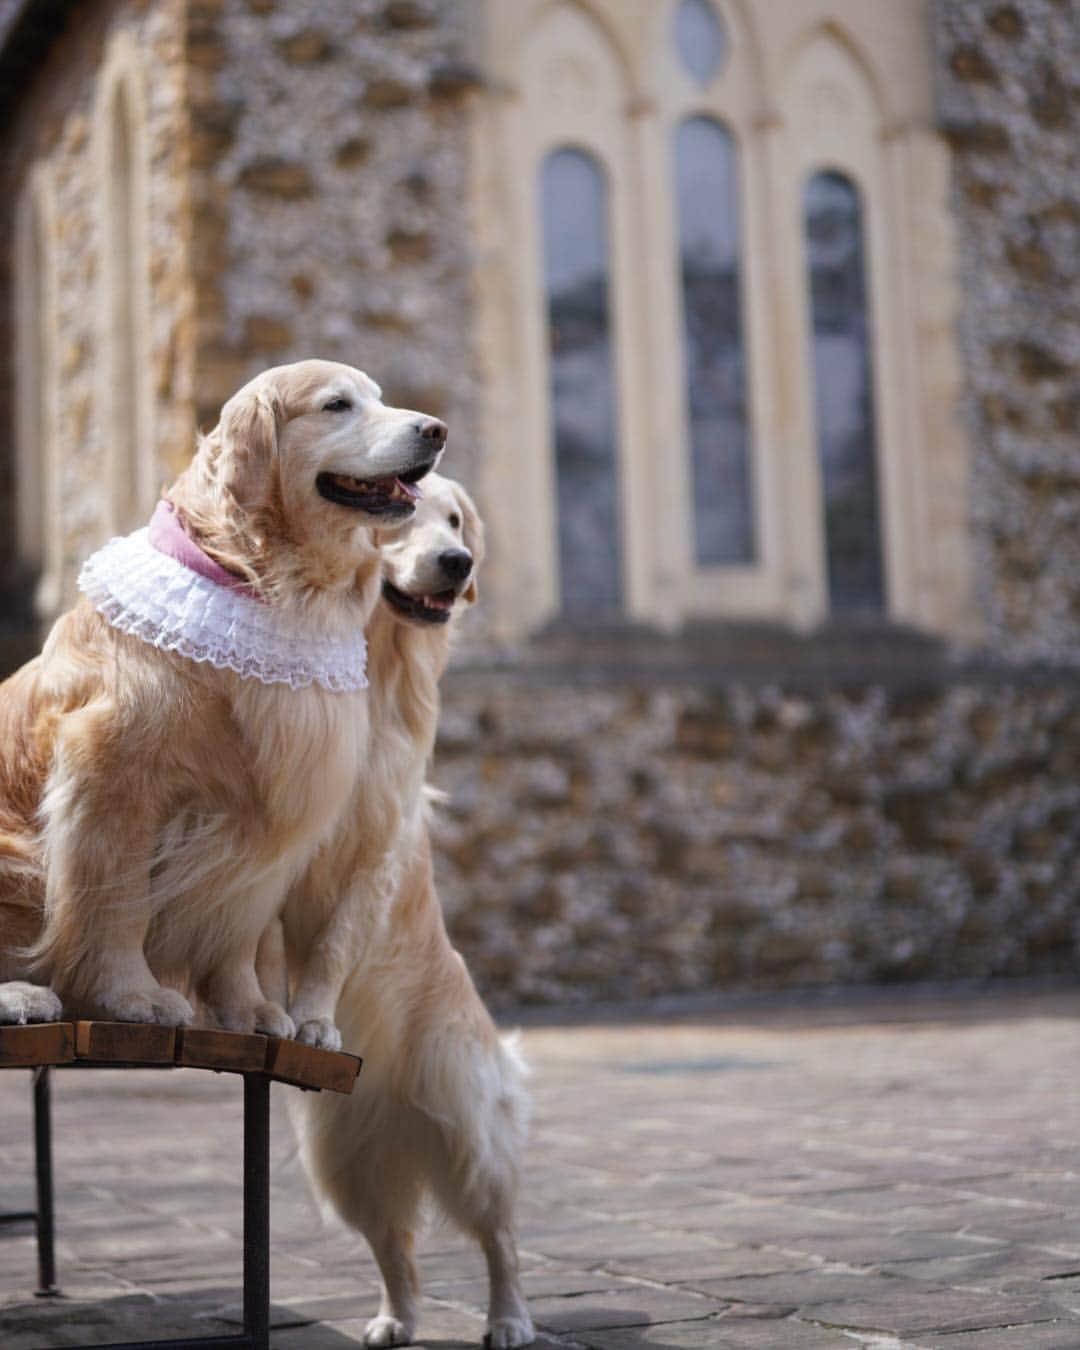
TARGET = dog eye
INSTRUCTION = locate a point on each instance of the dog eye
(455, 520)
(337, 405)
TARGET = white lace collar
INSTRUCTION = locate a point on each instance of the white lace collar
(155, 598)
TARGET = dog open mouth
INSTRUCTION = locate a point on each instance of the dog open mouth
(434, 608)
(393, 495)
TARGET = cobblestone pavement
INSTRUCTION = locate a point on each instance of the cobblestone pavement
(887, 1171)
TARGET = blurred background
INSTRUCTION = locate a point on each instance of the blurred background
(756, 326)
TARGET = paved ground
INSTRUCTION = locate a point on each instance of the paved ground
(891, 1172)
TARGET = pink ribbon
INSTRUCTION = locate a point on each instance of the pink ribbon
(168, 536)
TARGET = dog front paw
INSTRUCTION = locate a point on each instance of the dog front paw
(504, 1333)
(21, 1003)
(319, 1032)
(164, 1007)
(383, 1330)
(272, 1020)
(269, 1018)
(172, 1009)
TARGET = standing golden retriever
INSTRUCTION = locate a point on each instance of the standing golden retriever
(194, 727)
(440, 1108)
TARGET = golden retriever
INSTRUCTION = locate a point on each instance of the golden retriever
(440, 1108)
(157, 801)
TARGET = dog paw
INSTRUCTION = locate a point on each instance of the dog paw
(319, 1032)
(165, 1007)
(272, 1020)
(21, 1003)
(171, 1009)
(506, 1332)
(387, 1331)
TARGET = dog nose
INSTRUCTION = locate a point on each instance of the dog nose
(456, 563)
(431, 429)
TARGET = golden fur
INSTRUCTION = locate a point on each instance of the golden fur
(154, 811)
(439, 1109)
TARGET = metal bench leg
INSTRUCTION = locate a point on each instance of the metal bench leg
(44, 1174)
(257, 1210)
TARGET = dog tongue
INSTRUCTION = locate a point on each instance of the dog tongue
(410, 490)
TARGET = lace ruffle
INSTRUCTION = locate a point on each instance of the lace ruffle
(154, 598)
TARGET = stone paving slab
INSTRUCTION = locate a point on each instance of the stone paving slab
(898, 1174)
(1047, 1336)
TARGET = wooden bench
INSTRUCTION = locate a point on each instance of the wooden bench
(261, 1060)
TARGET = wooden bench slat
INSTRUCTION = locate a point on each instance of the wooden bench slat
(125, 1042)
(190, 1047)
(233, 1051)
(303, 1066)
(40, 1043)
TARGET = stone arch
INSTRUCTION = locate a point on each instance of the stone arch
(36, 498)
(125, 385)
(815, 46)
(745, 30)
(547, 11)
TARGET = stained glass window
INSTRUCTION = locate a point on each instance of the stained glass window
(843, 390)
(574, 192)
(707, 189)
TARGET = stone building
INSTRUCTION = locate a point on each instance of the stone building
(756, 325)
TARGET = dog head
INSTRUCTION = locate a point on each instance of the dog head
(305, 461)
(321, 435)
(432, 563)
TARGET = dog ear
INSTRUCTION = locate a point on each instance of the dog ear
(473, 535)
(248, 445)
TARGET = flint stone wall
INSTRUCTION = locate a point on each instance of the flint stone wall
(1007, 77)
(331, 197)
(636, 840)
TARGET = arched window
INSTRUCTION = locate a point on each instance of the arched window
(36, 531)
(706, 432)
(123, 281)
(706, 167)
(843, 393)
(575, 219)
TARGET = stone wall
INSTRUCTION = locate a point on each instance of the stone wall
(54, 123)
(1007, 96)
(644, 839)
(331, 204)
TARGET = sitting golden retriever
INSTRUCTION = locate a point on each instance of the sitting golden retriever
(439, 1109)
(194, 727)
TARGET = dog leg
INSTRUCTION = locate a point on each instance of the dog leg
(483, 1209)
(321, 979)
(21, 1003)
(476, 1181)
(395, 1321)
(271, 965)
(96, 910)
(234, 997)
(509, 1323)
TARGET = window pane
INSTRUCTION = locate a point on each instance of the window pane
(843, 387)
(699, 39)
(582, 387)
(707, 185)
